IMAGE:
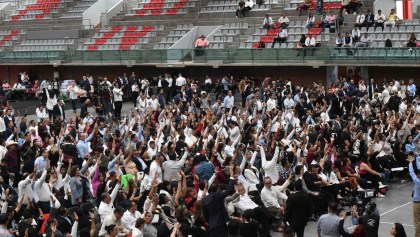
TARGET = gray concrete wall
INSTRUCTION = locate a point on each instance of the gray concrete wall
(52, 34)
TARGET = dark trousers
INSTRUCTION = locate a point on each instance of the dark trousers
(74, 105)
(134, 96)
(263, 218)
(278, 39)
(220, 231)
(45, 206)
(118, 107)
(379, 24)
(244, 10)
(50, 114)
(299, 231)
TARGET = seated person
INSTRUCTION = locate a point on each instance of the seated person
(332, 18)
(355, 33)
(379, 20)
(366, 172)
(344, 6)
(200, 45)
(284, 21)
(392, 19)
(325, 21)
(310, 21)
(310, 42)
(339, 41)
(370, 19)
(281, 37)
(360, 20)
(388, 43)
(348, 43)
(249, 4)
(261, 44)
(241, 5)
(412, 41)
(353, 6)
(268, 22)
(365, 41)
(305, 6)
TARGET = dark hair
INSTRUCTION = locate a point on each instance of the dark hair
(298, 168)
(400, 230)
(109, 228)
(139, 222)
(298, 185)
(333, 206)
(73, 170)
(4, 218)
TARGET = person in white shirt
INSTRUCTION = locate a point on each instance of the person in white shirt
(118, 93)
(310, 21)
(153, 103)
(365, 41)
(289, 103)
(271, 103)
(229, 100)
(113, 219)
(379, 20)
(130, 216)
(73, 93)
(310, 42)
(272, 198)
(281, 37)
(360, 20)
(41, 113)
(355, 34)
(156, 170)
(180, 81)
(284, 21)
(42, 189)
(268, 22)
(106, 207)
(269, 166)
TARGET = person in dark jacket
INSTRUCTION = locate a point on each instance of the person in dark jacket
(58, 110)
(84, 109)
(214, 208)
(298, 209)
(370, 220)
(25, 226)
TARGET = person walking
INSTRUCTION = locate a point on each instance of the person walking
(328, 223)
(416, 193)
(298, 209)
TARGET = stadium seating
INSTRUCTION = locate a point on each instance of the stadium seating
(121, 38)
(328, 5)
(78, 9)
(173, 36)
(38, 10)
(44, 45)
(162, 7)
(230, 6)
(7, 37)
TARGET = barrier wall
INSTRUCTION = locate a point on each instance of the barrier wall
(92, 16)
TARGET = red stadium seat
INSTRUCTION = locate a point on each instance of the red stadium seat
(92, 47)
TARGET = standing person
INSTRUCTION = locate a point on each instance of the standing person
(117, 100)
(298, 209)
(73, 93)
(328, 223)
(134, 93)
(58, 110)
(370, 220)
(85, 86)
(51, 102)
(214, 209)
(43, 87)
(416, 192)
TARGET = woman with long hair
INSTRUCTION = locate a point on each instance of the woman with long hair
(199, 220)
(111, 230)
(397, 230)
(366, 172)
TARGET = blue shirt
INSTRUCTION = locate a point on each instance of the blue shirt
(83, 146)
(40, 162)
(410, 147)
(416, 193)
(205, 170)
(412, 90)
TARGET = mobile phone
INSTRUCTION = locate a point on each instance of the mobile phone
(348, 213)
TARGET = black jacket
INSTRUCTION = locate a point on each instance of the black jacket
(214, 208)
(57, 112)
(298, 209)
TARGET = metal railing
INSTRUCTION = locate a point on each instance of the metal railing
(322, 55)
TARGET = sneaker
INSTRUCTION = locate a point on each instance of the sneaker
(360, 189)
(383, 186)
(381, 195)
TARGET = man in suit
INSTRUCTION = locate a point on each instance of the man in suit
(58, 110)
(372, 88)
(298, 209)
(370, 19)
(84, 109)
(214, 208)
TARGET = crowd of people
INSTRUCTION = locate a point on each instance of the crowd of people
(185, 163)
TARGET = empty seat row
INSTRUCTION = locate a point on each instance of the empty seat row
(221, 39)
(117, 41)
(216, 45)
(41, 48)
(110, 47)
(235, 25)
(48, 42)
(162, 1)
(184, 27)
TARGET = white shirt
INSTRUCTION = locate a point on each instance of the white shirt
(249, 4)
(271, 104)
(360, 18)
(73, 92)
(42, 189)
(2, 125)
(129, 219)
(377, 18)
(284, 19)
(105, 209)
(117, 94)
(289, 103)
(271, 197)
(153, 103)
(169, 80)
(244, 203)
(270, 166)
(41, 114)
(180, 81)
(310, 41)
(229, 102)
(155, 167)
(110, 220)
(25, 188)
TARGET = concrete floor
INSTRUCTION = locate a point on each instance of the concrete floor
(396, 207)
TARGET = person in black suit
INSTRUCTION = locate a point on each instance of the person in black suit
(372, 87)
(300, 109)
(58, 110)
(369, 19)
(298, 209)
(214, 208)
(84, 109)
